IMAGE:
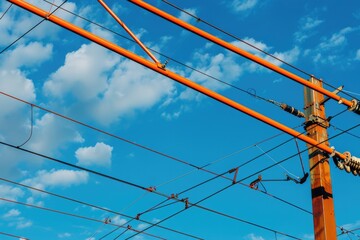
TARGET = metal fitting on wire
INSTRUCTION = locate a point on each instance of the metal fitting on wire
(355, 106)
(350, 163)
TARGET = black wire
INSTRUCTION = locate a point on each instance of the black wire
(31, 29)
(32, 126)
(93, 206)
(174, 60)
(253, 46)
(237, 38)
(6, 11)
(241, 180)
(67, 214)
(14, 236)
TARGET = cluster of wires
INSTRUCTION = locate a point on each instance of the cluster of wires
(168, 197)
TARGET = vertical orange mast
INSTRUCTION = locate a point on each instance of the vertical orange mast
(321, 188)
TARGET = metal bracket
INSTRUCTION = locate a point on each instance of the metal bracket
(336, 91)
(313, 119)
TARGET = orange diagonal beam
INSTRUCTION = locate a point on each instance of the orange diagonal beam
(242, 52)
(115, 48)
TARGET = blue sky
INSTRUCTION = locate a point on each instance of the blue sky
(64, 73)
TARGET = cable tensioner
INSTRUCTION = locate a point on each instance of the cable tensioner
(350, 163)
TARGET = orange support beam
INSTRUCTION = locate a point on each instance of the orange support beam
(242, 52)
(115, 48)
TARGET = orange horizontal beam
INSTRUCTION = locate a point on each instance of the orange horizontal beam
(115, 48)
(240, 51)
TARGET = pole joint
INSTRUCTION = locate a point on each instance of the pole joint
(314, 119)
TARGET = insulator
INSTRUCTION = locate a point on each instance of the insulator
(292, 110)
(355, 107)
(347, 168)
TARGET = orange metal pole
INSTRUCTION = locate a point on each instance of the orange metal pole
(240, 51)
(321, 187)
(113, 47)
(136, 39)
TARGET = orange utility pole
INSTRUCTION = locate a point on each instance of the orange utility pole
(321, 190)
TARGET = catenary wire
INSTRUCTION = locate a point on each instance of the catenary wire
(125, 182)
(7, 9)
(13, 236)
(206, 164)
(71, 215)
(249, 176)
(176, 61)
(31, 29)
(93, 206)
(348, 93)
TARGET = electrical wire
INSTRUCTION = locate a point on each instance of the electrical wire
(31, 127)
(4, 13)
(14, 236)
(235, 37)
(94, 206)
(198, 19)
(177, 61)
(31, 29)
(72, 215)
(249, 176)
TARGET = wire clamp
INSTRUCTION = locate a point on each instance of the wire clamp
(254, 184)
(236, 170)
(138, 216)
(173, 196)
(186, 201)
(151, 189)
(107, 220)
(129, 227)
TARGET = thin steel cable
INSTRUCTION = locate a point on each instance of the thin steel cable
(4, 13)
(348, 93)
(31, 29)
(177, 61)
(241, 180)
(71, 215)
(301, 160)
(14, 236)
(272, 159)
(92, 206)
(236, 38)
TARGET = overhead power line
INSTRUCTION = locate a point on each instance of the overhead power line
(95, 207)
(7, 9)
(74, 215)
(13, 236)
(31, 29)
(241, 180)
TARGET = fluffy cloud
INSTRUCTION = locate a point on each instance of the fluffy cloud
(12, 213)
(84, 73)
(307, 28)
(99, 155)
(186, 17)
(10, 193)
(57, 178)
(243, 5)
(357, 57)
(29, 55)
(252, 236)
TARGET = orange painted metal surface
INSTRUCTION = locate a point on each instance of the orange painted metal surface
(115, 48)
(240, 51)
(321, 188)
(122, 24)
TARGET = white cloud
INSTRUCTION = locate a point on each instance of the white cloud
(51, 132)
(336, 40)
(118, 220)
(186, 17)
(357, 55)
(99, 155)
(307, 28)
(83, 74)
(31, 200)
(12, 213)
(131, 88)
(23, 223)
(252, 236)
(10, 193)
(243, 5)
(142, 226)
(57, 178)
(64, 235)
(29, 55)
